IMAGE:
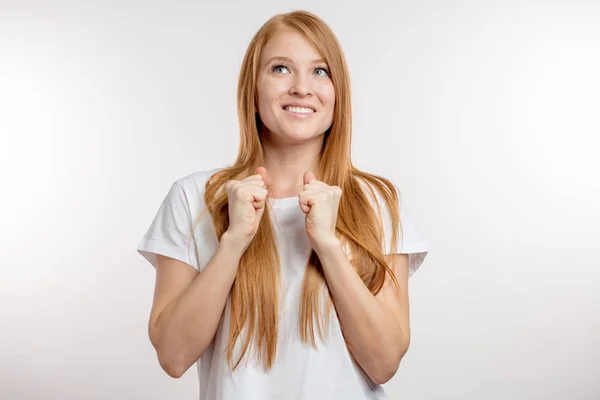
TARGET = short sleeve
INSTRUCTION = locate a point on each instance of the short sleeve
(170, 232)
(409, 240)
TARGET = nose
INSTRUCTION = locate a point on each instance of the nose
(301, 86)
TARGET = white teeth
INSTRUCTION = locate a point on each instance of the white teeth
(300, 110)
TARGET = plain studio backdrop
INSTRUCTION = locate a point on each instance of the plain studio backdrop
(484, 113)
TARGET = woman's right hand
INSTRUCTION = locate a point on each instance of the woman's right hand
(247, 200)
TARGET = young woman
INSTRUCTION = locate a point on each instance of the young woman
(285, 275)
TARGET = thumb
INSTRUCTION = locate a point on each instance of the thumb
(263, 172)
(308, 176)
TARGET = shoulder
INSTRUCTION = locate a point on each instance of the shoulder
(378, 188)
(195, 182)
(188, 191)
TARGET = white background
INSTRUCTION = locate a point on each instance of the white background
(486, 114)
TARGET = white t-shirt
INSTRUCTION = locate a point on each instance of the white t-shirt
(300, 372)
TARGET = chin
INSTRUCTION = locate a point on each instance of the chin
(300, 136)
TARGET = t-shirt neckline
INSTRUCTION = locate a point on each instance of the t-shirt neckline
(284, 202)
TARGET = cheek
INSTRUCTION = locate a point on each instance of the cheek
(328, 95)
(260, 94)
(269, 93)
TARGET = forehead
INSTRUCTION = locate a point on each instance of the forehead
(291, 44)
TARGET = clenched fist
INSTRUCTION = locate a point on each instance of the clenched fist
(247, 200)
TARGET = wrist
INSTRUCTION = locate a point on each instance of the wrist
(234, 243)
(326, 245)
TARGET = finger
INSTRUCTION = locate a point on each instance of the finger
(262, 171)
(257, 194)
(315, 185)
(254, 177)
(230, 183)
(316, 192)
(309, 198)
(256, 182)
(308, 176)
(305, 203)
(258, 204)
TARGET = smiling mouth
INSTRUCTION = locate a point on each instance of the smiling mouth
(299, 110)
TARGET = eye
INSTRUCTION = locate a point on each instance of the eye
(325, 71)
(277, 66)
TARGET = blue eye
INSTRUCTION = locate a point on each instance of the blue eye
(278, 66)
(324, 70)
(275, 67)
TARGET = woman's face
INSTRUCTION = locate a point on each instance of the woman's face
(292, 73)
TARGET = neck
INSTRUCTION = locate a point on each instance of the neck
(286, 165)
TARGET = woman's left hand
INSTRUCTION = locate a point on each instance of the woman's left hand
(320, 203)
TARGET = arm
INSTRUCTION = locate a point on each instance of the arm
(376, 328)
(188, 305)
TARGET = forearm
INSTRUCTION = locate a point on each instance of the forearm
(188, 325)
(374, 335)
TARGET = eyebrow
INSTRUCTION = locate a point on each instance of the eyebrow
(318, 61)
